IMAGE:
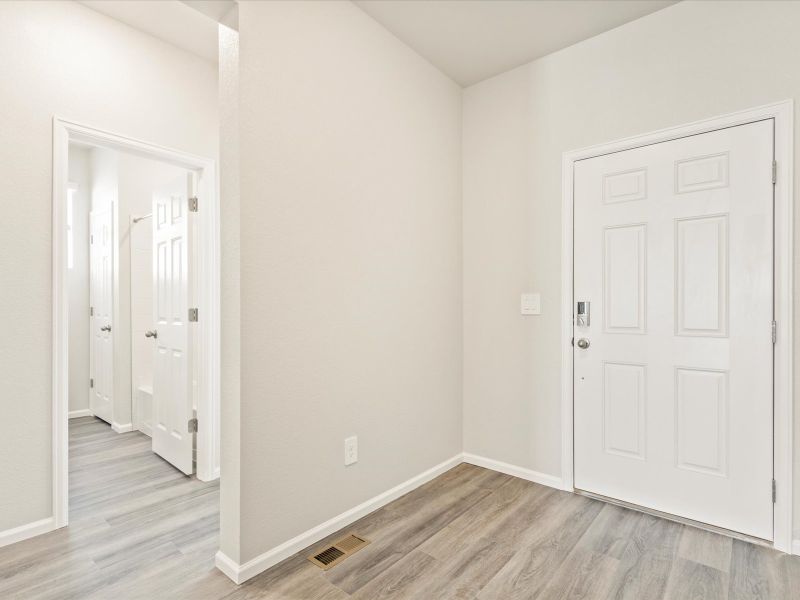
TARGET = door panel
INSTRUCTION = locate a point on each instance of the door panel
(172, 362)
(623, 409)
(701, 276)
(101, 270)
(623, 278)
(673, 396)
(701, 405)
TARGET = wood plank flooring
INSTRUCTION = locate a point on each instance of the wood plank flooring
(133, 519)
(140, 529)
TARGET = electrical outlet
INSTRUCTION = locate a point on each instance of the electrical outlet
(350, 450)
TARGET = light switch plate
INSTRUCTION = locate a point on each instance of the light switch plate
(530, 304)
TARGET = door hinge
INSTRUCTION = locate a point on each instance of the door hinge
(91, 382)
(774, 171)
(193, 315)
(774, 491)
(193, 204)
(91, 239)
(91, 311)
(774, 332)
(192, 426)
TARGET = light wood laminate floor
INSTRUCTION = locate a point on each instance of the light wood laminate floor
(140, 529)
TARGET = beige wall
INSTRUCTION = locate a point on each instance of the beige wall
(350, 265)
(687, 62)
(61, 58)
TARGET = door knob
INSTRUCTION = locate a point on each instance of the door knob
(105, 328)
(583, 343)
(152, 333)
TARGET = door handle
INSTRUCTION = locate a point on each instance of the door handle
(105, 328)
(583, 343)
(152, 333)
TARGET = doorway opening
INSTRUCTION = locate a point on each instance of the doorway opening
(135, 313)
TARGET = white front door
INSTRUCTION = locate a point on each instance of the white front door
(101, 271)
(172, 361)
(673, 395)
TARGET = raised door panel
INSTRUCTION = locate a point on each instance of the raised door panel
(701, 173)
(701, 420)
(701, 274)
(624, 278)
(624, 405)
(625, 187)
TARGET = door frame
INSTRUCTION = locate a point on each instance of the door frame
(208, 269)
(783, 115)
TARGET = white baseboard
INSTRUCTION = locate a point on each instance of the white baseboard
(241, 573)
(796, 547)
(202, 476)
(122, 428)
(83, 412)
(228, 566)
(29, 530)
(515, 471)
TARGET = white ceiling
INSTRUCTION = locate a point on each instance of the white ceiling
(472, 40)
(469, 40)
(192, 28)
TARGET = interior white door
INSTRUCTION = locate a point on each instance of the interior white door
(101, 272)
(673, 395)
(172, 361)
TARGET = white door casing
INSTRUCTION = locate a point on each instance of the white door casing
(64, 132)
(673, 404)
(101, 290)
(172, 360)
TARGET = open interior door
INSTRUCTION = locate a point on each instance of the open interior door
(173, 435)
(101, 354)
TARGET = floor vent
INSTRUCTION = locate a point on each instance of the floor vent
(333, 555)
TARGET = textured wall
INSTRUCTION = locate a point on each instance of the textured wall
(350, 264)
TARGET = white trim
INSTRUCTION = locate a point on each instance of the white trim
(83, 412)
(229, 567)
(515, 471)
(65, 131)
(122, 428)
(796, 547)
(29, 530)
(783, 412)
(208, 296)
(783, 113)
(59, 448)
(241, 573)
